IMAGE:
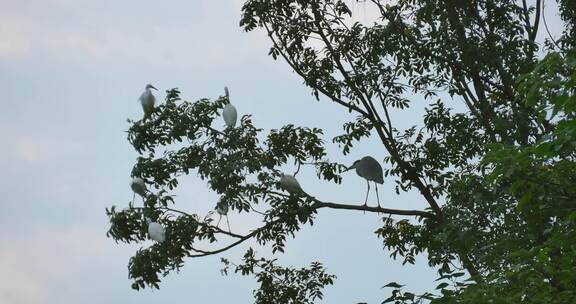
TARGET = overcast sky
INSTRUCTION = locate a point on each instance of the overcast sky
(70, 75)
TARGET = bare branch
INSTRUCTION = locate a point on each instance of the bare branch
(341, 68)
(238, 242)
(536, 21)
(547, 29)
(292, 64)
(318, 204)
(527, 18)
(216, 229)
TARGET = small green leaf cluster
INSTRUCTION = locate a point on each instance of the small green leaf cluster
(284, 285)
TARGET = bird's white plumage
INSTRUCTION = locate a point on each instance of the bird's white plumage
(147, 100)
(156, 231)
(229, 113)
(290, 184)
(138, 186)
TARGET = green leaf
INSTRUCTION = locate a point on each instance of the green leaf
(392, 285)
(442, 285)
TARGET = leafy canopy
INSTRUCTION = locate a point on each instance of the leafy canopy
(497, 179)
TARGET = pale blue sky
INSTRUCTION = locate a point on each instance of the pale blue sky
(70, 74)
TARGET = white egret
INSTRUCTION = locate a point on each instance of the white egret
(222, 210)
(229, 112)
(290, 184)
(369, 169)
(147, 100)
(156, 231)
(139, 187)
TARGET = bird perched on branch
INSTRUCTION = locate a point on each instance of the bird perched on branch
(156, 231)
(290, 184)
(138, 187)
(229, 112)
(222, 210)
(369, 169)
(148, 100)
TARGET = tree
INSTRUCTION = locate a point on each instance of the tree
(498, 178)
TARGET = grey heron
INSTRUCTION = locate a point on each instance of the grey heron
(222, 210)
(369, 169)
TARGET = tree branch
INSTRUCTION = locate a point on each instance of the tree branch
(238, 242)
(316, 205)
(526, 12)
(462, 40)
(341, 68)
(388, 143)
(536, 21)
(218, 230)
(303, 75)
(319, 204)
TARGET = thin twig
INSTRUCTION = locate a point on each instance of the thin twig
(546, 26)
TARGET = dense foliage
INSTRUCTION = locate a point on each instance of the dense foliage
(499, 178)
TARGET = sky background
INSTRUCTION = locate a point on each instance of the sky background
(70, 75)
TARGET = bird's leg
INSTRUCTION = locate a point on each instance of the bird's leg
(367, 192)
(377, 198)
(228, 223)
(133, 197)
(218, 224)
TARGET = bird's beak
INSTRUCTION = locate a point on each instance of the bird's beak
(153, 87)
